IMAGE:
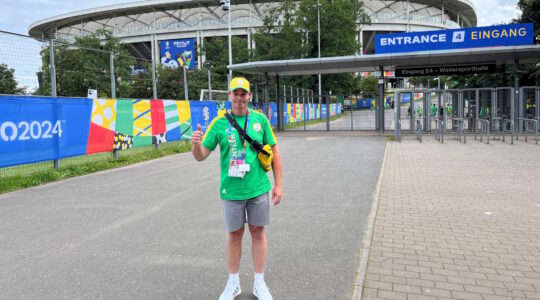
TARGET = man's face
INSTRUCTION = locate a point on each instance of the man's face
(239, 99)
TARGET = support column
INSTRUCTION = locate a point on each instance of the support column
(52, 69)
(154, 84)
(476, 111)
(199, 62)
(266, 94)
(279, 107)
(380, 110)
(516, 95)
(113, 81)
(202, 45)
(249, 38)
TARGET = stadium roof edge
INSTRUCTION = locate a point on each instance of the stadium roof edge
(363, 63)
(464, 7)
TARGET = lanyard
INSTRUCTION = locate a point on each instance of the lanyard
(246, 128)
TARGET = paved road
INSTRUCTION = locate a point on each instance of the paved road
(365, 120)
(155, 231)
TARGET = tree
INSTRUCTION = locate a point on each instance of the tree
(530, 13)
(290, 32)
(8, 84)
(85, 64)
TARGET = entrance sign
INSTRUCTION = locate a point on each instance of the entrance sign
(474, 37)
(446, 70)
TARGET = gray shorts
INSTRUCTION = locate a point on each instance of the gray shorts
(255, 211)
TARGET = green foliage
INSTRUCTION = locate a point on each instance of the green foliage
(530, 13)
(85, 64)
(290, 32)
(368, 87)
(8, 84)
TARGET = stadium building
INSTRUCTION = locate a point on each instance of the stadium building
(152, 27)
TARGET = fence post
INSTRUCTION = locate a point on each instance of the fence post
(185, 83)
(327, 112)
(154, 84)
(113, 83)
(209, 86)
(113, 90)
(56, 162)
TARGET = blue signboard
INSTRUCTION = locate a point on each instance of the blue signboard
(177, 53)
(202, 112)
(34, 129)
(474, 37)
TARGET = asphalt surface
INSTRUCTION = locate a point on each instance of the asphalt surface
(155, 230)
(365, 120)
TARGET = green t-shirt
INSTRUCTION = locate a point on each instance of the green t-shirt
(255, 182)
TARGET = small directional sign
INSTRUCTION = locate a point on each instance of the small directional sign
(446, 70)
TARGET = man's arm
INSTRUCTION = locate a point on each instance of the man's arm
(276, 169)
(199, 151)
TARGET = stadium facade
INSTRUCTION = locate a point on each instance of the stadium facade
(145, 25)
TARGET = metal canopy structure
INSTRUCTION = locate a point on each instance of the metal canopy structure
(363, 63)
(387, 62)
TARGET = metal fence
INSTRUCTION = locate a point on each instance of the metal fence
(57, 68)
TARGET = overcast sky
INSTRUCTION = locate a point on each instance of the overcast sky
(17, 16)
(22, 54)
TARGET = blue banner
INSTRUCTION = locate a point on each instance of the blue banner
(34, 129)
(177, 53)
(202, 112)
(474, 37)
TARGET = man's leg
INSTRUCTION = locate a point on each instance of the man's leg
(259, 247)
(234, 253)
(234, 250)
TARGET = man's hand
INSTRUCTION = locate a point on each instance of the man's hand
(199, 151)
(197, 136)
(276, 195)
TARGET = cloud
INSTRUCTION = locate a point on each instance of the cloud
(495, 12)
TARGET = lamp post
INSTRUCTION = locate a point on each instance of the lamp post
(230, 47)
(319, 41)
(226, 6)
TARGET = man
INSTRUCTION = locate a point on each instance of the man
(244, 183)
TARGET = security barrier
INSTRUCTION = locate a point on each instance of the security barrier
(439, 132)
(529, 129)
(483, 129)
(458, 129)
(508, 127)
(419, 130)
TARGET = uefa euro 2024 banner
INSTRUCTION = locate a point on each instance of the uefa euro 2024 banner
(177, 53)
(34, 129)
(473, 37)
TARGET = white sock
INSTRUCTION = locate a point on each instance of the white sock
(234, 278)
(259, 278)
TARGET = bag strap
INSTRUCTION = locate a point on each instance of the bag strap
(254, 144)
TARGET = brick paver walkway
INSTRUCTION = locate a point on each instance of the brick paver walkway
(457, 221)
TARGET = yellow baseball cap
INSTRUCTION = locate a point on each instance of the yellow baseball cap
(239, 83)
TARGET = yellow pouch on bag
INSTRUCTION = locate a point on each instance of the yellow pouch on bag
(265, 157)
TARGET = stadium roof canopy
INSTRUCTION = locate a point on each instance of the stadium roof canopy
(365, 63)
(453, 7)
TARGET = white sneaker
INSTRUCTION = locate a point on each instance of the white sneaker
(260, 290)
(231, 291)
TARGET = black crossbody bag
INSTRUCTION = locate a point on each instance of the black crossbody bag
(264, 153)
